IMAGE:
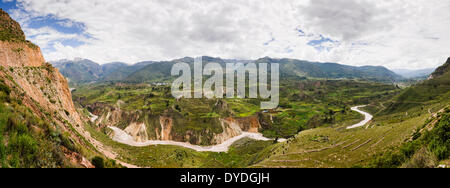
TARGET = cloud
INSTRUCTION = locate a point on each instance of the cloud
(392, 33)
(345, 19)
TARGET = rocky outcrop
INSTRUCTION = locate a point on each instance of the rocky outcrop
(230, 129)
(166, 128)
(247, 124)
(15, 50)
(137, 131)
(14, 54)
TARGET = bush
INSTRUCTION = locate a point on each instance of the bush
(422, 159)
(98, 162)
(388, 160)
(4, 88)
(23, 146)
(66, 142)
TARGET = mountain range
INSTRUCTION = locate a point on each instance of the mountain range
(83, 70)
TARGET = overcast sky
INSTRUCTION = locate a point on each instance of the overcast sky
(398, 34)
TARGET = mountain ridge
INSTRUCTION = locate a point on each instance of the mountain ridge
(148, 71)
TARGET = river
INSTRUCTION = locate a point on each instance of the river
(367, 117)
(124, 138)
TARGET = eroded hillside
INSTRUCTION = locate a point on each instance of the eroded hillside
(40, 125)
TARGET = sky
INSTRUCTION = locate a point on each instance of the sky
(398, 34)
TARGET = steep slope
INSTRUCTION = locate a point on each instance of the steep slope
(37, 104)
(441, 70)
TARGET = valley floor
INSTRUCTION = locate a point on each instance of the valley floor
(122, 137)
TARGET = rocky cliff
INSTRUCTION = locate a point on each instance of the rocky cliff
(37, 85)
(15, 50)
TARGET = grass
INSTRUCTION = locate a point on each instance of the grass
(299, 152)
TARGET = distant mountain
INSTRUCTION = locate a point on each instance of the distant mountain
(289, 68)
(79, 70)
(85, 71)
(110, 68)
(435, 89)
(297, 68)
(122, 73)
(82, 71)
(410, 74)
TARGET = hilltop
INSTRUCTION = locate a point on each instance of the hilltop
(9, 29)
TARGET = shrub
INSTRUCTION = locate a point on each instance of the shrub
(4, 88)
(14, 124)
(388, 160)
(98, 162)
(66, 142)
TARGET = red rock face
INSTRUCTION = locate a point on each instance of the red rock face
(18, 54)
(166, 128)
(15, 51)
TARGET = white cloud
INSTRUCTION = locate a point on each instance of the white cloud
(392, 33)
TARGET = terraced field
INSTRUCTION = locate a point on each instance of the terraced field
(337, 147)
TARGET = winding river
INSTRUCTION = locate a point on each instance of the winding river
(124, 138)
(367, 117)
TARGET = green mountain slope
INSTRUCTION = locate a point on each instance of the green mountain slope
(442, 70)
(78, 71)
(434, 90)
(122, 73)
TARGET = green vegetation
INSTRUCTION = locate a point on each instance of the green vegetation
(10, 31)
(425, 150)
(428, 92)
(27, 141)
(304, 104)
